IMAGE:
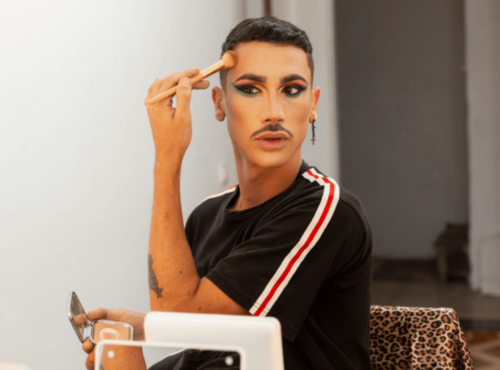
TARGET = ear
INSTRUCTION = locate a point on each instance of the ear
(218, 99)
(314, 104)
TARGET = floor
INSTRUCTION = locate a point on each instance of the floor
(485, 349)
(414, 283)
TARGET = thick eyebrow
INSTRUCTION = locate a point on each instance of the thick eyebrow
(283, 80)
(292, 77)
(251, 76)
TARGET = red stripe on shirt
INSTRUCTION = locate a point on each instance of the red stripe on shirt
(304, 247)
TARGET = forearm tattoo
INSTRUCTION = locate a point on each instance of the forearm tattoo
(153, 281)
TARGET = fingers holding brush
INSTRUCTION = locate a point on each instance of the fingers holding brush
(163, 84)
(169, 87)
(202, 85)
(171, 127)
(184, 89)
(190, 73)
(174, 78)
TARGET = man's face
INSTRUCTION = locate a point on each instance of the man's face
(268, 102)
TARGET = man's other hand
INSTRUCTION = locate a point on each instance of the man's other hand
(136, 319)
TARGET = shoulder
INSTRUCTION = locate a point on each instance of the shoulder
(351, 212)
(221, 195)
(211, 205)
(347, 212)
(348, 231)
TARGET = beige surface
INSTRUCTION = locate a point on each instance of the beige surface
(123, 331)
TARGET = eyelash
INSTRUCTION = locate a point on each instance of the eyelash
(242, 88)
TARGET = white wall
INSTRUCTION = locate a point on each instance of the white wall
(76, 156)
(483, 93)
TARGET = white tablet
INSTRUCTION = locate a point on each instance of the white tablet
(257, 340)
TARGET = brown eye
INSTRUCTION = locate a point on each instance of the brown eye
(291, 90)
(248, 90)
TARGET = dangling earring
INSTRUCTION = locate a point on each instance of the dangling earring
(314, 137)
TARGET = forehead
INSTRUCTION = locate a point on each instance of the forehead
(270, 60)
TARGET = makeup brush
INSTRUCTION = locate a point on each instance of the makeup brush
(228, 60)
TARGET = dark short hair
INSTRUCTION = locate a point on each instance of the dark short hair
(267, 29)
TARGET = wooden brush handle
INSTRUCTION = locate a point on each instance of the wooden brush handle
(203, 74)
(173, 90)
(213, 69)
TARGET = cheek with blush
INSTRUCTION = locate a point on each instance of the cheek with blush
(298, 117)
(242, 115)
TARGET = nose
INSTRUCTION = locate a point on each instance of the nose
(273, 113)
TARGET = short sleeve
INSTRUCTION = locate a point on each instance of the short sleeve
(279, 270)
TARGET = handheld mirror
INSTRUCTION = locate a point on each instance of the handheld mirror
(96, 330)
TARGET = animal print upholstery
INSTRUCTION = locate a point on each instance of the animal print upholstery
(417, 338)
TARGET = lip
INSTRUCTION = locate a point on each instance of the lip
(272, 140)
(272, 135)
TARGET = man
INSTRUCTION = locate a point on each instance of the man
(287, 241)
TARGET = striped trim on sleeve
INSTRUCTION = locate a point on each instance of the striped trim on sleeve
(285, 272)
(227, 191)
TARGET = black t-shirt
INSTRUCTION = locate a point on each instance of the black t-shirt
(303, 257)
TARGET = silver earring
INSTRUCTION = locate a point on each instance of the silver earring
(314, 137)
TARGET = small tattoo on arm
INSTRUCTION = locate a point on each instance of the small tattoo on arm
(101, 367)
(153, 282)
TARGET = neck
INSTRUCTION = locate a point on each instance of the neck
(258, 184)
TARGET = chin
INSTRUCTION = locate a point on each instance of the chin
(254, 155)
(270, 159)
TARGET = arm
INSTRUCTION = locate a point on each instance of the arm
(124, 358)
(173, 279)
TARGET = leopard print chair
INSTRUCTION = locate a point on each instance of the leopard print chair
(417, 338)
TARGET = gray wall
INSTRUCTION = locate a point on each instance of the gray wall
(316, 18)
(402, 118)
(483, 93)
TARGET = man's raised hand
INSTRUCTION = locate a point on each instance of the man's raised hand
(171, 127)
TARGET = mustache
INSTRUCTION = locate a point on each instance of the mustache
(272, 128)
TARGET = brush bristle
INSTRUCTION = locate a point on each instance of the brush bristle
(230, 59)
